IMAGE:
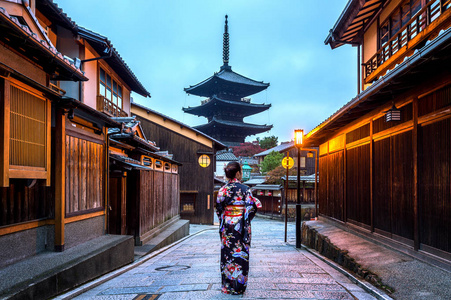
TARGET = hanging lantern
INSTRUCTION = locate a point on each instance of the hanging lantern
(269, 193)
(393, 114)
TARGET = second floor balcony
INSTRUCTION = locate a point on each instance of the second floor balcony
(109, 108)
(423, 26)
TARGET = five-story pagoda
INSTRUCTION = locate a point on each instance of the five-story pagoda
(227, 105)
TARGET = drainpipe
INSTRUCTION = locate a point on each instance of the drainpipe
(358, 69)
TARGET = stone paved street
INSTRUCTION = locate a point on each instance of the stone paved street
(190, 270)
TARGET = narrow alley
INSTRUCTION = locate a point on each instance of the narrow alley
(190, 270)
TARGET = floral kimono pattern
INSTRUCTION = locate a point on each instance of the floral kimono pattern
(236, 207)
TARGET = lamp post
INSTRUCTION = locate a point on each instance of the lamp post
(298, 140)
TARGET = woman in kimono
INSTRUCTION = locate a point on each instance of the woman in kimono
(236, 207)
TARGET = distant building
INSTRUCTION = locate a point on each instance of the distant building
(195, 151)
(227, 105)
(223, 157)
(307, 157)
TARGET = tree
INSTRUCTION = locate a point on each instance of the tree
(275, 176)
(271, 161)
(268, 142)
(247, 149)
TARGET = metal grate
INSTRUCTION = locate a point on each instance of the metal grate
(28, 129)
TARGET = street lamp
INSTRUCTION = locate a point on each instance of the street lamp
(298, 140)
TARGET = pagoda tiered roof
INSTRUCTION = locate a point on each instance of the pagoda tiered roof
(226, 106)
(244, 128)
(210, 107)
(227, 84)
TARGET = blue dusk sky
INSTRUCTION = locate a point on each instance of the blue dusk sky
(173, 44)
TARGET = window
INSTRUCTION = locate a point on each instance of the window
(26, 133)
(400, 17)
(110, 88)
(204, 160)
(384, 32)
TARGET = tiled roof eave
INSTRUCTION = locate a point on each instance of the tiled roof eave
(218, 143)
(121, 66)
(418, 58)
(199, 110)
(42, 46)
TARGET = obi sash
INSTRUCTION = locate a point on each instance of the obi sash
(234, 210)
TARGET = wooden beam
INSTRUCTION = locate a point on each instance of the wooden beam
(345, 154)
(60, 175)
(371, 177)
(48, 142)
(416, 232)
(5, 132)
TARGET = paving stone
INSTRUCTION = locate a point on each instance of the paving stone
(130, 290)
(310, 287)
(333, 295)
(258, 294)
(109, 297)
(183, 288)
(277, 271)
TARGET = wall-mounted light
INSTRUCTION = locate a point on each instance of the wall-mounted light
(393, 114)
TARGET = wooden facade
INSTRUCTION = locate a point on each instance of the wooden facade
(392, 179)
(144, 188)
(186, 145)
(54, 178)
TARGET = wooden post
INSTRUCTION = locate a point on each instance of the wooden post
(60, 178)
(371, 177)
(5, 132)
(48, 141)
(345, 157)
(286, 199)
(107, 180)
(416, 233)
(316, 182)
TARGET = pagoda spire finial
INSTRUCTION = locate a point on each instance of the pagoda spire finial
(225, 51)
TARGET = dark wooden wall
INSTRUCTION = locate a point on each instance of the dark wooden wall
(192, 176)
(358, 185)
(84, 175)
(309, 161)
(307, 194)
(270, 205)
(20, 203)
(152, 199)
(371, 183)
(435, 185)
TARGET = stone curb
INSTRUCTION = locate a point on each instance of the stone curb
(364, 285)
(90, 285)
(327, 249)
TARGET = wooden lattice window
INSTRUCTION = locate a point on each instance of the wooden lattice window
(29, 135)
(28, 123)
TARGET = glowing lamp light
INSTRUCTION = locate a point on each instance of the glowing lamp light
(204, 160)
(393, 114)
(269, 194)
(298, 137)
(261, 193)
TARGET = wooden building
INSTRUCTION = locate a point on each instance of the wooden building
(385, 155)
(144, 184)
(42, 127)
(61, 88)
(195, 151)
(308, 157)
(271, 196)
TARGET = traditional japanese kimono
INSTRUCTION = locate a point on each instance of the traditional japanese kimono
(236, 207)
